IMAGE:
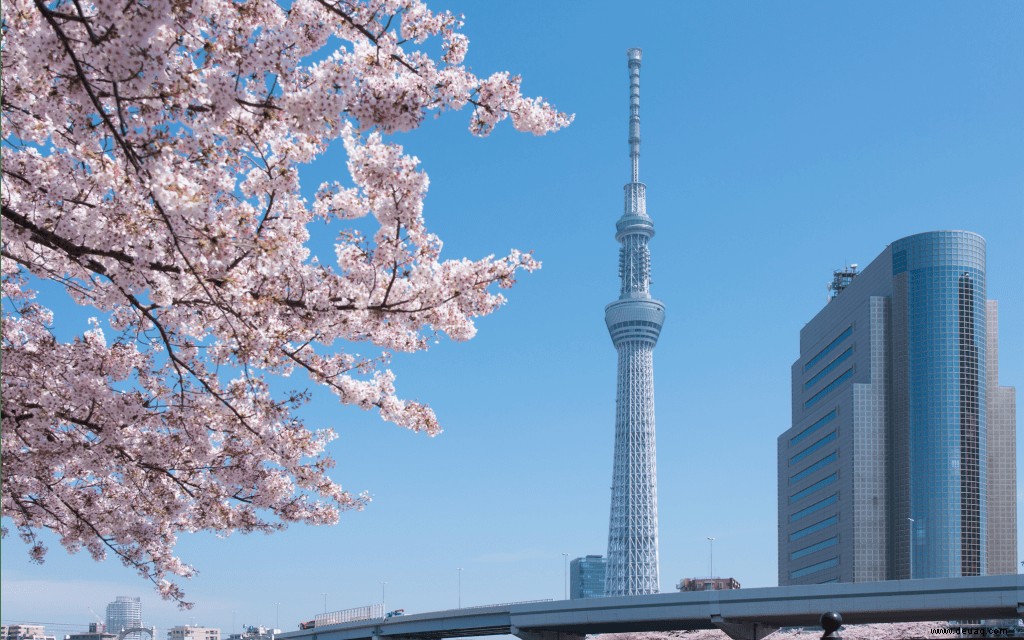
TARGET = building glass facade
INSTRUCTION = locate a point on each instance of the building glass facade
(1000, 424)
(884, 473)
(941, 277)
(586, 577)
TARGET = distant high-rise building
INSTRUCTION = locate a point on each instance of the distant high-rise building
(125, 612)
(586, 577)
(900, 460)
(189, 632)
(634, 322)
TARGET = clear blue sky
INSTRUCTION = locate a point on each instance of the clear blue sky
(780, 141)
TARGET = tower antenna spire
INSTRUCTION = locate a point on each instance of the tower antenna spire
(635, 56)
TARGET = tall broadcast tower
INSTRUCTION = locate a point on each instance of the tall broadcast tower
(634, 322)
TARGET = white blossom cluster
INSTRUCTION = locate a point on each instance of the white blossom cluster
(150, 168)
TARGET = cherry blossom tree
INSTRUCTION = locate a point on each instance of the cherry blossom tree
(151, 155)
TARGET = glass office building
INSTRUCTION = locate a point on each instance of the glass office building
(586, 577)
(900, 459)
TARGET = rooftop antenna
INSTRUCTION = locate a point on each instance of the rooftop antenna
(841, 278)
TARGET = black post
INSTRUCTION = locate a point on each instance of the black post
(830, 623)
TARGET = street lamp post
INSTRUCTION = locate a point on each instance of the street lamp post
(460, 587)
(910, 546)
(711, 557)
(565, 576)
(277, 616)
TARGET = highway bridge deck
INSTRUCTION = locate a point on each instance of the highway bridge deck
(742, 613)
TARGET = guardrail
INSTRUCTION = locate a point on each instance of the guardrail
(505, 604)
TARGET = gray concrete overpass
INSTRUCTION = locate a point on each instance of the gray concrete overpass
(745, 614)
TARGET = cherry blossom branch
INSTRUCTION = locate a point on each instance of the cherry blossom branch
(87, 85)
(151, 169)
(54, 241)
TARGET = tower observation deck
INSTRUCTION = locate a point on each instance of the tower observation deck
(634, 322)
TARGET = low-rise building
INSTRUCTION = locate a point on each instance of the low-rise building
(255, 633)
(189, 632)
(24, 632)
(707, 584)
(97, 631)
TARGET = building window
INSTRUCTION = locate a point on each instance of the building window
(832, 386)
(827, 350)
(821, 504)
(634, 323)
(829, 368)
(899, 262)
(814, 447)
(817, 466)
(827, 418)
(824, 482)
(814, 568)
(817, 526)
(806, 551)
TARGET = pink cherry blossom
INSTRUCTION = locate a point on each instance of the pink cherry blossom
(151, 157)
(881, 631)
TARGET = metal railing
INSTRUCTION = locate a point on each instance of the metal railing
(505, 604)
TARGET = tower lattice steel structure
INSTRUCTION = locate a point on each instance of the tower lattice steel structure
(634, 322)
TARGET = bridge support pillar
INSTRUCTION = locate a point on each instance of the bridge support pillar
(539, 634)
(743, 630)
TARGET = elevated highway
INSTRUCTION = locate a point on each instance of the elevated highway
(744, 614)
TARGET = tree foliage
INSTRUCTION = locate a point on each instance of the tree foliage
(151, 154)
